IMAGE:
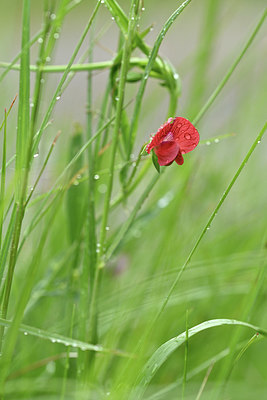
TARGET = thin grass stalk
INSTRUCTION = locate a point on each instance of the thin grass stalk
(90, 258)
(230, 71)
(124, 68)
(3, 181)
(201, 62)
(58, 90)
(42, 169)
(185, 355)
(21, 172)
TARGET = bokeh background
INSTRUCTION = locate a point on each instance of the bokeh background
(201, 45)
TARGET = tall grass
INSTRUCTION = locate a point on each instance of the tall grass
(96, 245)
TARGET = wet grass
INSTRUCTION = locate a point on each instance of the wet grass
(118, 281)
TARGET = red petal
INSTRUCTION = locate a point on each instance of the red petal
(162, 134)
(166, 152)
(185, 134)
(179, 159)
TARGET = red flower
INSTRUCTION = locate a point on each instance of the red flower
(173, 139)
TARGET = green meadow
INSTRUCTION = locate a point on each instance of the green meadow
(119, 278)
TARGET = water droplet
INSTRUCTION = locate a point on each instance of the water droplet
(97, 250)
(98, 245)
(96, 177)
(132, 156)
(53, 340)
(58, 97)
(112, 18)
(259, 141)
(25, 333)
(208, 228)
(176, 76)
(102, 1)
(53, 16)
(31, 105)
(36, 155)
(216, 140)
(107, 228)
(56, 35)
(208, 143)
(187, 136)
(143, 8)
(132, 18)
(42, 80)
(40, 40)
(48, 59)
(116, 98)
(151, 29)
(76, 182)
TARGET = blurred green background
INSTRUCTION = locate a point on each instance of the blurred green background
(202, 44)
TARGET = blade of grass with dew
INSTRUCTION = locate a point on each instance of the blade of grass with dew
(41, 212)
(21, 169)
(66, 341)
(127, 48)
(165, 350)
(42, 169)
(88, 332)
(58, 93)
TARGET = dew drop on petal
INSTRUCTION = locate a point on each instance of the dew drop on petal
(96, 177)
(208, 143)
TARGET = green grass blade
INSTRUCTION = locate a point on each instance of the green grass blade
(58, 90)
(230, 71)
(3, 182)
(165, 350)
(66, 341)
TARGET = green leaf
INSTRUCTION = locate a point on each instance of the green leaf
(155, 161)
